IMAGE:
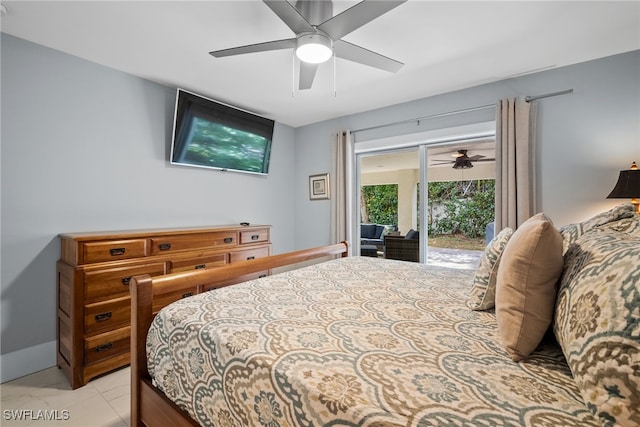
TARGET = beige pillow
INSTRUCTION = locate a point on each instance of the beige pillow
(526, 286)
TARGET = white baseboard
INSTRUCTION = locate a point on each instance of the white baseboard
(27, 361)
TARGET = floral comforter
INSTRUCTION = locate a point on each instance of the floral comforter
(353, 342)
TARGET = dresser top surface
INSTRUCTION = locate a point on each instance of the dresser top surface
(111, 234)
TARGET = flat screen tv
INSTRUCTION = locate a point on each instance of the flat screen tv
(210, 134)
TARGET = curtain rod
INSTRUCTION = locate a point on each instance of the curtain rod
(548, 95)
(465, 110)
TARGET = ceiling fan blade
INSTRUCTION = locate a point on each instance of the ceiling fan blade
(484, 160)
(355, 53)
(441, 162)
(307, 74)
(290, 16)
(356, 16)
(476, 157)
(258, 47)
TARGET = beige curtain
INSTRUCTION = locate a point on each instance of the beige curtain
(515, 163)
(342, 177)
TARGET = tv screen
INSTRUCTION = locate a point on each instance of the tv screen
(209, 134)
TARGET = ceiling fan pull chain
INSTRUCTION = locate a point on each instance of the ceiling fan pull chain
(293, 74)
(335, 90)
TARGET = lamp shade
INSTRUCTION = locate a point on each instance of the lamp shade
(628, 185)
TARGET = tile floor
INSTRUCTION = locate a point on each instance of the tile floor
(46, 399)
(454, 258)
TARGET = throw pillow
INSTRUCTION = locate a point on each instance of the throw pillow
(597, 322)
(483, 292)
(570, 233)
(526, 286)
(377, 234)
(412, 234)
(626, 225)
(367, 231)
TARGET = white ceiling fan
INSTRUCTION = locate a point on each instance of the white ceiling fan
(318, 35)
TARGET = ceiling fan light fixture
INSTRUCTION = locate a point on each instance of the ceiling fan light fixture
(314, 48)
(461, 163)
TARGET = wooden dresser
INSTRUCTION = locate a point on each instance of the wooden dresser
(93, 273)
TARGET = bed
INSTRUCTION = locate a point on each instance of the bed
(372, 342)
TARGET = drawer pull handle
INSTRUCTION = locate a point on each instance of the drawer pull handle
(103, 316)
(199, 266)
(228, 239)
(250, 258)
(188, 294)
(117, 251)
(126, 280)
(255, 236)
(103, 347)
(164, 246)
(261, 276)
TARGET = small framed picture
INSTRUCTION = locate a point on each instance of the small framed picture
(319, 186)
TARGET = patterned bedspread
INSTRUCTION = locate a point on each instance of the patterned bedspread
(355, 341)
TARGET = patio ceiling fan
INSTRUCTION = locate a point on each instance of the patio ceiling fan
(318, 35)
(463, 161)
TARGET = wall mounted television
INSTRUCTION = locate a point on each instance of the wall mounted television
(210, 134)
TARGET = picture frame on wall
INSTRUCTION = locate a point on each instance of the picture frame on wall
(319, 187)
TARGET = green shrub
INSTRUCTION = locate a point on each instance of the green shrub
(379, 204)
(468, 207)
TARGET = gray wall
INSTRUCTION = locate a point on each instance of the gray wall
(85, 148)
(583, 140)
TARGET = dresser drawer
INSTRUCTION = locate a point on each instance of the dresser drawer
(254, 236)
(113, 250)
(114, 282)
(104, 316)
(249, 254)
(167, 244)
(107, 345)
(203, 262)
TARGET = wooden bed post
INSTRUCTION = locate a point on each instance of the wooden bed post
(141, 317)
(346, 249)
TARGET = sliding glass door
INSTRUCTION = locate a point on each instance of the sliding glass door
(428, 203)
(460, 202)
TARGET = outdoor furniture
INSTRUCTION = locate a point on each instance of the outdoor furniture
(371, 234)
(489, 232)
(402, 248)
(369, 250)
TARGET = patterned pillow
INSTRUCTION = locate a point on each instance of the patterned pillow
(598, 322)
(571, 233)
(627, 225)
(483, 293)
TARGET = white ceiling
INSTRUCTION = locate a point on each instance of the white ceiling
(445, 45)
